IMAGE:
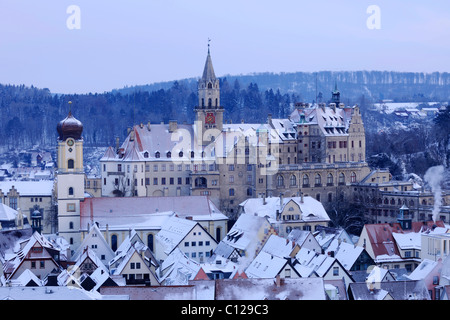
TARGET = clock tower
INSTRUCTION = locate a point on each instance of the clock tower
(70, 178)
(209, 112)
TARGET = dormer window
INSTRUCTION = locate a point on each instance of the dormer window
(145, 154)
(180, 154)
(169, 154)
(157, 154)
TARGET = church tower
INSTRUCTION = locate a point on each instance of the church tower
(70, 178)
(209, 112)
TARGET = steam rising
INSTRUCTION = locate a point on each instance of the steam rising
(434, 177)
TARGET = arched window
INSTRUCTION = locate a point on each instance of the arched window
(150, 242)
(353, 177)
(341, 178)
(280, 181)
(209, 85)
(180, 154)
(218, 234)
(318, 180)
(70, 164)
(306, 180)
(70, 191)
(71, 225)
(209, 102)
(203, 102)
(217, 102)
(192, 154)
(114, 242)
(329, 179)
(231, 192)
(293, 180)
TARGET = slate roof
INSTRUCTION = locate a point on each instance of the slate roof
(399, 290)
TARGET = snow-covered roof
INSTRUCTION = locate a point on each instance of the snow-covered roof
(145, 212)
(311, 209)
(408, 241)
(47, 293)
(177, 269)
(423, 269)
(7, 213)
(279, 246)
(260, 289)
(347, 254)
(173, 232)
(265, 265)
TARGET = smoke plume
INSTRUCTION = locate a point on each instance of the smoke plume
(433, 177)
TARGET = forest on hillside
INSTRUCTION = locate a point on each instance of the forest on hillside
(29, 115)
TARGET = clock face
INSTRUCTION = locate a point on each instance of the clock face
(210, 119)
(70, 142)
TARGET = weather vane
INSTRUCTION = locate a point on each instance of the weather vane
(209, 40)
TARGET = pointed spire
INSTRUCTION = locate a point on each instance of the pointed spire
(208, 72)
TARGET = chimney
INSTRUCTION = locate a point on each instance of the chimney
(264, 198)
(281, 200)
(173, 125)
(269, 118)
(107, 234)
(148, 126)
(301, 197)
(278, 281)
(117, 144)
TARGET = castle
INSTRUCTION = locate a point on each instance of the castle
(315, 151)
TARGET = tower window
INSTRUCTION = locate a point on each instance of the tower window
(70, 191)
(209, 102)
(209, 85)
(70, 164)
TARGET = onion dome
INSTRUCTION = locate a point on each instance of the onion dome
(70, 127)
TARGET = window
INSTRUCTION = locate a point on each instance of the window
(231, 192)
(293, 180)
(335, 271)
(70, 225)
(119, 168)
(341, 178)
(318, 180)
(13, 203)
(70, 164)
(114, 242)
(280, 181)
(186, 243)
(70, 191)
(155, 181)
(305, 180)
(353, 177)
(329, 179)
(157, 154)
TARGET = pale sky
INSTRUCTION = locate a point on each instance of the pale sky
(138, 42)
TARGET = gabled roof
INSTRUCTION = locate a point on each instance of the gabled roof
(177, 269)
(246, 232)
(86, 241)
(312, 210)
(12, 265)
(173, 232)
(265, 265)
(279, 246)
